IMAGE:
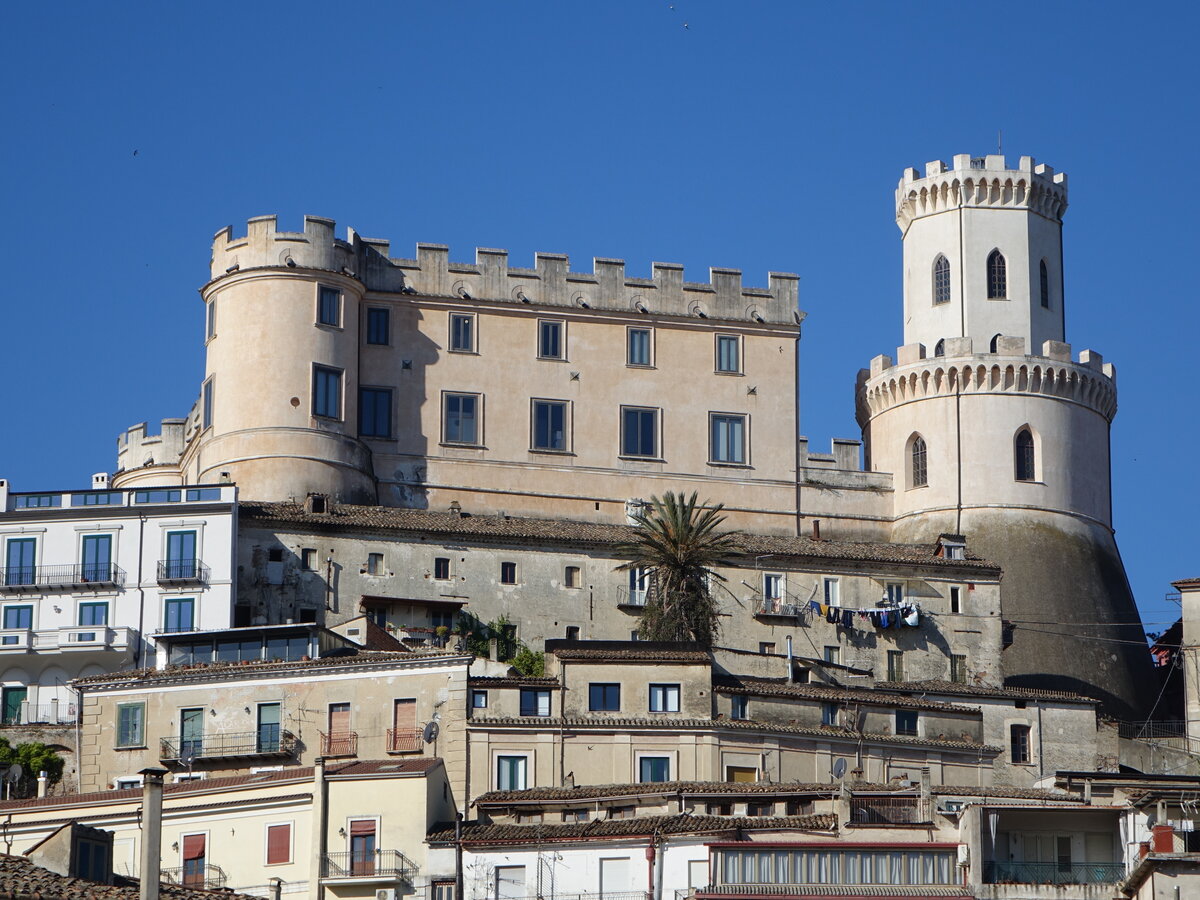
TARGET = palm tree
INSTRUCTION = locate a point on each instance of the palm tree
(678, 545)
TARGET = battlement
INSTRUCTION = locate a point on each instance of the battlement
(490, 278)
(137, 449)
(980, 182)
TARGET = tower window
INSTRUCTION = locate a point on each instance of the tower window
(939, 349)
(920, 470)
(1045, 283)
(994, 343)
(941, 280)
(997, 277)
(1025, 463)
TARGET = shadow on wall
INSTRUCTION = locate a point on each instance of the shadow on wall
(279, 586)
(402, 474)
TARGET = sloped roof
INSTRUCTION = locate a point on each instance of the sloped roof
(21, 878)
(935, 686)
(770, 687)
(474, 833)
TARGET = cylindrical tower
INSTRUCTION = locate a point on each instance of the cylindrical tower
(279, 404)
(1002, 439)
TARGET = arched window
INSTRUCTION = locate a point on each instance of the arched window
(939, 349)
(1045, 277)
(997, 277)
(994, 344)
(941, 280)
(1026, 469)
(920, 469)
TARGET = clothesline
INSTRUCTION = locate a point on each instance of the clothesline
(908, 615)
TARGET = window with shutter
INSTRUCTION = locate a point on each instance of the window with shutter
(279, 844)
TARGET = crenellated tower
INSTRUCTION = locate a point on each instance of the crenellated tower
(993, 429)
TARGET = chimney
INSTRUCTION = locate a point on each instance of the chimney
(100, 481)
(320, 825)
(150, 870)
(275, 888)
(43, 784)
(816, 532)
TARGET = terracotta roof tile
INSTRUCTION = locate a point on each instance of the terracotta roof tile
(594, 791)
(21, 878)
(629, 651)
(503, 681)
(934, 686)
(768, 687)
(474, 833)
(562, 531)
(386, 766)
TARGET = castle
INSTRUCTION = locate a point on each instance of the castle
(337, 372)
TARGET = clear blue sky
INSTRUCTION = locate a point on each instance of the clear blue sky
(761, 136)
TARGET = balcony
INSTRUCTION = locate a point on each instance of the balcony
(776, 609)
(95, 637)
(182, 571)
(20, 640)
(203, 877)
(377, 865)
(339, 744)
(1052, 873)
(404, 740)
(632, 600)
(41, 714)
(76, 577)
(241, 745)
(889, 811)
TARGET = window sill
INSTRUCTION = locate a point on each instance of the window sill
(997, 298)
(457, 446)
(549, 452)
(561, 359)
(463, 352)
(375, 344)
(328, 326)
(376, 437)
(1029, 481)
(730, 465)
(325, 418)
(734, 374)
(630, 365)
(917, 487)
(131, 747)
(649, 459)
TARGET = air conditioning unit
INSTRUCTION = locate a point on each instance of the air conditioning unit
(385, 894)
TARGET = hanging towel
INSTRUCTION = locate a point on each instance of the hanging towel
(814, 605)
(848, 619)
(913, 618)
(884, 620)
(824, 610)
(833, 616)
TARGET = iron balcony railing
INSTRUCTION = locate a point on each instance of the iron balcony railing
(182, 571)
(554, 894)
(368, 864)
(1152, 730)
(80, 576)
(404, 740)
(777, 608)
(626, 597)
(1052, 873)
(264, 742)
(343, 743)
(202, 875)
(889, 811)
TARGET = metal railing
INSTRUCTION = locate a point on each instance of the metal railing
(889, 811)
(78, 575)
(626, 597)
(205, 876)
(182, 571)
(404, 740)
(340, 744)
(1052, 873)
(776, 608)
(368, 864)
(44, 714)
(1152, 730)
(549, 894)
(218, 746)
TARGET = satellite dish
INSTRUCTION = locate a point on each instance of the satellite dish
(839, 768)
(14, 773)
(431, 732)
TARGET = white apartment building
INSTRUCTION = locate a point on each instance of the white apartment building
(88, 578)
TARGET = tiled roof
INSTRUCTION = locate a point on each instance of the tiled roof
(202, 672)
(644, 825)
(668, 724)
(21, 878)
(628, 651)
(385, 766)
(504, 681)
(769, 687)
(563, 531)
(934, 686)
(1003, 791)
(595, 791)
(849, 891)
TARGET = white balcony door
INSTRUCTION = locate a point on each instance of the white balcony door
(614, 876)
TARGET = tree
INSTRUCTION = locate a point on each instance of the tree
(34, 757)
(679, 545)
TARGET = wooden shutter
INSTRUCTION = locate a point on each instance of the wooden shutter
(279, 844)
(362, 826)
(339, 718)
(405, 716)
(193, 846)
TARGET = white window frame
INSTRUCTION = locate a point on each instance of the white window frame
(478, 442)
(671, 756)
(831, 590)
(668, 691)
(562, 339)
(267, 826)
(498, 755)
(779, 579)
(649, 363)
(744, 462)
(738, 343)
(474, 319)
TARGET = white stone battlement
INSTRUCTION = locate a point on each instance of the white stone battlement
(137, 449)
(550, 282)
(980, 181)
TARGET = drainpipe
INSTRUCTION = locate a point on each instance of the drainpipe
(275, 888)
(320, 820)
(141, 640)
(791, 671)
(458, 856)
(650, 854)
(151, 862)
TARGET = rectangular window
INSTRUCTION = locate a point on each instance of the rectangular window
(955, 600)
(460, 418)
(131, 724)
(96, 562)
(191, 732)
(718, 809)
(308, 559)
(571, 577)
(535, 702)
(362, 837)
(762, 808)
(639, 431)
(207, 405)
(895, 668)
(19, 561)
(508, 573)
(604, 697)
(194, 855)
(655, 769)
(664, 698)
(511, 773)
(576, 815)
(375, 412)
(906, 722)
(179, 614)
(772, 586)
(441, 568)
(1019, 744)
(329, 306)
(210, 327)
(895, 593)
(443, 890)
(549, 425)
(12, 703)
(739, 706)
(270, 719)
(729, 357)
(462, 333)
(766, 648)
(279, 844)
(833, 592)
(327, 392)
(639, 585)
(551, 343)
(637, 351)
(38, 501)
(833, 654)
(727, 439)
(479, 699)
(829, 713)
(17, 618)
(95, 614)
(379, 325)
(374, 563)
(958, 668)
(572, 632)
